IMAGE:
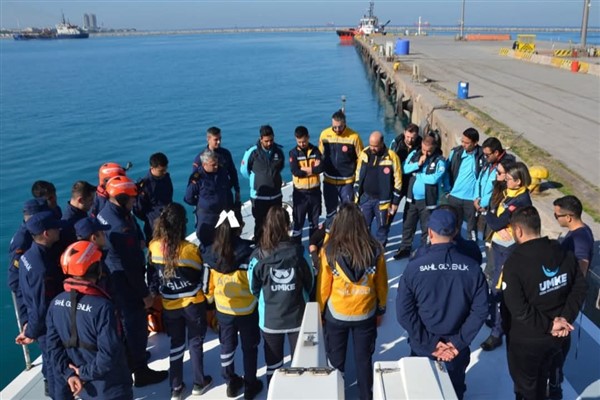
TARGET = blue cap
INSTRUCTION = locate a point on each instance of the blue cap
(43, 221)
(86, 226)
(34, 206)
(443, 222)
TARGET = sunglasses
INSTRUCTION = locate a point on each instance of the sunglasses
(338, 128)
(557, 216)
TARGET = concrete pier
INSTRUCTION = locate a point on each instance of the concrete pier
(547, 116)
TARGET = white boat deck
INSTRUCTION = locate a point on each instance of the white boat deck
(487, 375)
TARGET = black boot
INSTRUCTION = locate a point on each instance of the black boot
(146, 376)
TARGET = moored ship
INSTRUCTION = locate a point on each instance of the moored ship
(368, 25)
(66, 30)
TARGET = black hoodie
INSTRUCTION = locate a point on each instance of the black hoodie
(541, 282)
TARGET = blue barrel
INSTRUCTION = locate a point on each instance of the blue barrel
(402, 47)
(463, 90)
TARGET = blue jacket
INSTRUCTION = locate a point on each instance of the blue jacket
(40, 280)
(97, 350)
(442, 296)
(465, 246)
(225, 162)
(100, 200)
(426, 180)
(486, 179)
(210, 193)
(154, 195)
(124, 258)
(281, 280)
(19, 244)
(263, 168)
(463, 171)
(72, 215)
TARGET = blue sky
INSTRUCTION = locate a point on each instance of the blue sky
(194, 14)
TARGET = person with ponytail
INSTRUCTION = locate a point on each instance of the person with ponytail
(180, 277)
(515, 196)
(352, 290)
(236, 311)
(281, 279)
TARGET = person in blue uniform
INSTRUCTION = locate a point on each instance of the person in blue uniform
(378, 185)
(180, 281)
(155, 193)
(19, 244)
(46, 190)
(105, 173)
(80, 203)
(465, 163)
(442, 326)
(40, 280)
(236, 309)
(209, 190)
(281, 280)
(306, 166)
(127, 268)
(83, 337)
(213, 143)
(427, 168)
(262, 165)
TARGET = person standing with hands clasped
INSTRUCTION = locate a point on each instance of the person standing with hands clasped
(543, 291)
(442, 300)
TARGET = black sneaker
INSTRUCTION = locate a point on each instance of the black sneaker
(200, 389)
(252, 389)
(402, 253)
(555, 392)
(146, 376)
(235, 386)
(491, 343)
(177, 394)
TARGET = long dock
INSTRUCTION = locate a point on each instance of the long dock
(545, 115)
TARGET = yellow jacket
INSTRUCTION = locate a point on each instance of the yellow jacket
(340, 154)
(231, 292)
(349, 295)
(185, 287)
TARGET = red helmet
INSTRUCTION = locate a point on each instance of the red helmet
(109, 170)
(77, 259)
(121, 185)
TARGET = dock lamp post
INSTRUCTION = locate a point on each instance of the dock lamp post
(461, 35)
(584, 24)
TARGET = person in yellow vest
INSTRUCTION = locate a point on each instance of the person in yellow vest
(340, 147)
(229, 288)
(352, 291)
(378, 185)
(516, 196)
(306, 166)
(180, 280)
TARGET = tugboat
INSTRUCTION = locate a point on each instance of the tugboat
(66, 30)
(368, 25)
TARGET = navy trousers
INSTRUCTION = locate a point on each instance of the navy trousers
(306, 202)
(500, 254)
(335, 194)
(370, 209)
(273, 343)
(364, 335)
(417, 211)
(247, 327)
(178, 322)
(135, 329)
(466, 211)
(457, 369)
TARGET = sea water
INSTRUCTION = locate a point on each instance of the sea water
(67, 106)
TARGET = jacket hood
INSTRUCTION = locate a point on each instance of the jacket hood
(549, 251)
(345, 263)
